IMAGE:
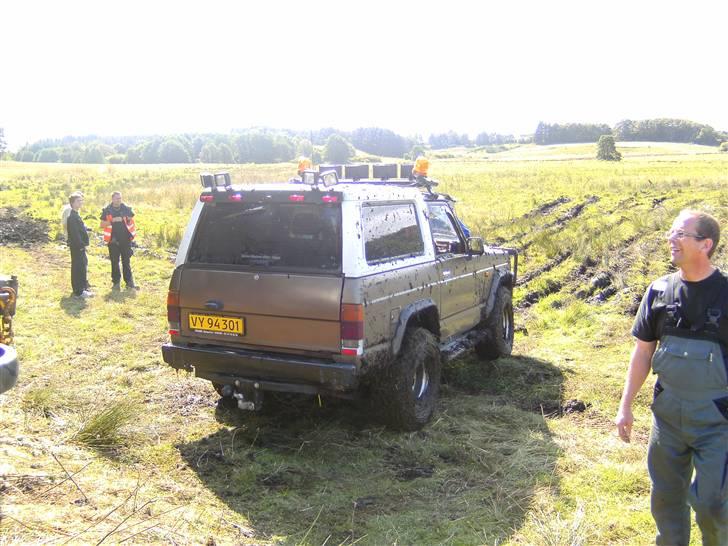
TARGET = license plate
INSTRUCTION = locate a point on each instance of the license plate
(215, 324)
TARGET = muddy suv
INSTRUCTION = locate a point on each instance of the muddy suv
(348, 287)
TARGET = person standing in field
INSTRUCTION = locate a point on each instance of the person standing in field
(77, 243)
(681, 332)
(117, 222)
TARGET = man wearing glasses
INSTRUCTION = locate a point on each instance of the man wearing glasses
(687, 313)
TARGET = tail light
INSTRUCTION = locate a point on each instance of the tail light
(352, 328)
(173, 312)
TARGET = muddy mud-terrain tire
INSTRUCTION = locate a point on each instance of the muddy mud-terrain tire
(8, 367)
(498, 327)
(407, 392)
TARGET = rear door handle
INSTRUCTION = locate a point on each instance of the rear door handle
(214, 305)
(446, 273)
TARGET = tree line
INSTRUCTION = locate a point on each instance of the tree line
(262, 145)
(243, 146)
(650, 130)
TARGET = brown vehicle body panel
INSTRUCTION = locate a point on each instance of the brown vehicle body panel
(281, 310)
(460, 295)
(385, 295)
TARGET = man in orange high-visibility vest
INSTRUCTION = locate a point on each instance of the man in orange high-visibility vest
(117, 221)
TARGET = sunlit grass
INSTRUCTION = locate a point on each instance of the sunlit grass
(500, 463)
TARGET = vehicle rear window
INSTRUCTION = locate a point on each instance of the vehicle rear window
(269, 235)
(391, 232)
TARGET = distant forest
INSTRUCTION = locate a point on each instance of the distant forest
(262, 145)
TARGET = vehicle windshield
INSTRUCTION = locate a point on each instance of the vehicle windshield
(269, 235)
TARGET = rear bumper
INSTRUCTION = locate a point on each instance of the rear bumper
(264, 371)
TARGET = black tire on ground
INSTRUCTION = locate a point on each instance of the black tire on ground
(407, 392)
(499, 328)
(8, 367)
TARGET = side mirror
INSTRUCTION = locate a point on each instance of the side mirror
(476, 245)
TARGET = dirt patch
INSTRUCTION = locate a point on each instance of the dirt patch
(406, 469)
(187, 397)
(19, 229)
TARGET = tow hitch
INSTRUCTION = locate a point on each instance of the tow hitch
(249, 397)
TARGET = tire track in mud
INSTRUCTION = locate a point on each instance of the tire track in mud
(600, 281)
(548, 266)
(571, 214)
(541, 210)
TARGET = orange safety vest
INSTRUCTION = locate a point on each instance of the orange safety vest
(128, 222)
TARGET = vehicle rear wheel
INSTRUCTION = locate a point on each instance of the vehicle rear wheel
(499, 328)
(407, 392)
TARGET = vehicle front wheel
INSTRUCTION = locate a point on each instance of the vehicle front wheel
(406, 394)
(498, 327)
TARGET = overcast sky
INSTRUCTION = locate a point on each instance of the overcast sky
(156, 66)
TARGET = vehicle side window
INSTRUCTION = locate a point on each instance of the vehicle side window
(444, 233)
(391, 232)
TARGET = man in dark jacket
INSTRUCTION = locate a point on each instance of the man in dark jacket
(77, 242)
(117, 221)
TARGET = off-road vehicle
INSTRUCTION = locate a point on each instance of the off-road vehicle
(335, 285)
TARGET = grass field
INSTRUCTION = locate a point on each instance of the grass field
(100, 442)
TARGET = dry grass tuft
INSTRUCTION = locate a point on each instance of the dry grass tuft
(104, 430)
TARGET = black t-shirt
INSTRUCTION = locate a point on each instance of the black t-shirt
(692, 298)
(119, 232)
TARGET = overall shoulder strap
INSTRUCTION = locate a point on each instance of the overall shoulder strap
(671, 309)
(718, 309)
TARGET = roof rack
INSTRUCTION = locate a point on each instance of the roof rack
(418, 182)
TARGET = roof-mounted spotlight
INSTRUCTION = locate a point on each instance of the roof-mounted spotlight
(309, 177)
(329, 178)
(207, 180)
(222, 179)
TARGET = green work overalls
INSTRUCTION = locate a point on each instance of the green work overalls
(689, 430)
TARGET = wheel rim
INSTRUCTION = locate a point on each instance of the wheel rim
(421, 381)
